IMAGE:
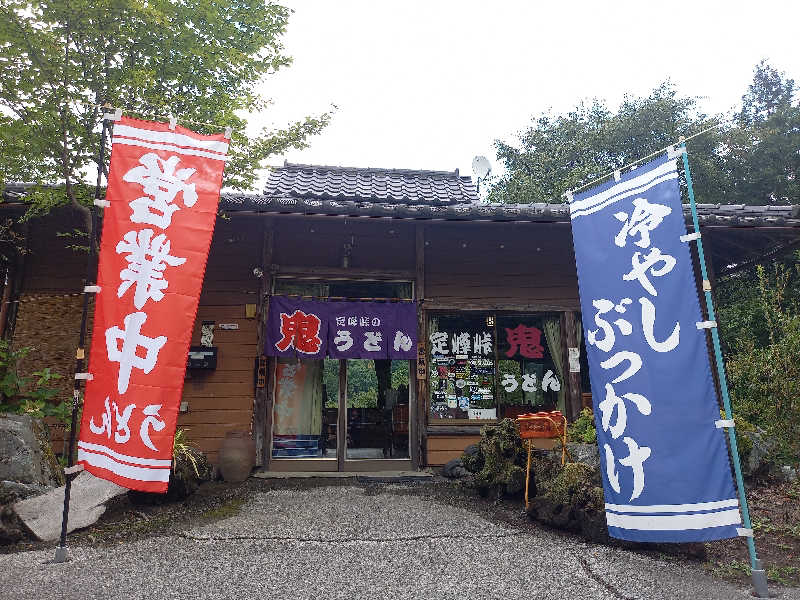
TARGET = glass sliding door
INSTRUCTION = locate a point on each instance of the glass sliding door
(377, 409)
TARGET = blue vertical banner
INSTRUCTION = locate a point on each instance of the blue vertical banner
(664, 460)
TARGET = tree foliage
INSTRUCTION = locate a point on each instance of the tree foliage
(200, 60)
(751, 159)
(763, 366)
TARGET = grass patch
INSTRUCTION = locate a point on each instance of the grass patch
(784, 575)
(731, 570)
(225, 510)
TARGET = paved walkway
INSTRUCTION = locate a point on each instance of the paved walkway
(351, 542)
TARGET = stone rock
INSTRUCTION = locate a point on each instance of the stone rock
(42, 514)
(12, 529)
(14, 491)
(472, 459)
(588, 454)
(788, 473)
(25, 452)
(572, 500)
(759, 447)
(454, 469)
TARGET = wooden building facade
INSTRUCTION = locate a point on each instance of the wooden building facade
(495, 287)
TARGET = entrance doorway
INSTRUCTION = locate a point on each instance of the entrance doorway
(341, 414)
(345, 415)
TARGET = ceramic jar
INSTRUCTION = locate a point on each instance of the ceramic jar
(237, 456)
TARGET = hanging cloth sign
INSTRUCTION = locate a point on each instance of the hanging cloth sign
(665, 465)
(163, 188)
(313, 329)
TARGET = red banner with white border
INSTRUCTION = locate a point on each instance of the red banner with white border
(163, 189)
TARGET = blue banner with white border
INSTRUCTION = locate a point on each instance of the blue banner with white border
(664, 461)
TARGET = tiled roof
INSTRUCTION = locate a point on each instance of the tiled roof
(732, 215)
(390, 186)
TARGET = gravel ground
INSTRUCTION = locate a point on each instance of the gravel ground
(356, 542)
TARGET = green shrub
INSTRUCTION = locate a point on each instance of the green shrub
(765, 380)
(583, 428)
(28, 395)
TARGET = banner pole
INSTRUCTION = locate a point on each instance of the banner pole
(758, 576)
(62, 555)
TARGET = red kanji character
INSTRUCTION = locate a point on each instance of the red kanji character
(525, 339)
(300, 330)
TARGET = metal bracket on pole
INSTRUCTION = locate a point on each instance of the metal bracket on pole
(173, 121)
(568, 194)
(675, 152)
(759, 578)
(84, 376)
(114, 116)
(91, 289)
(706, 285)
(73, 469)
(617, 175)
(706, 324)
(102, 203)
(720, 423)
(228, 132)
(744, 532)
(689, 237)
(62, 555)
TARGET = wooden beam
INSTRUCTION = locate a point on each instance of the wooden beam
(455, 430)
(413, 425)
(262, 403)
(477, 305)
(572, 400)
(421, 414)
(337, 273)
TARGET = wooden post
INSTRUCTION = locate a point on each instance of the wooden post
(262, 404)
(341, 422)
(7, 283)
(421, 413)
(572, 401)
(712, 277)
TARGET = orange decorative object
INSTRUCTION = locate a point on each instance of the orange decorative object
(541, 425)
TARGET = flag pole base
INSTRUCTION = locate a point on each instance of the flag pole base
(63, 555)
(759, 579)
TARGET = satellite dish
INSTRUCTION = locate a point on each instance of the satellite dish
(481, 167)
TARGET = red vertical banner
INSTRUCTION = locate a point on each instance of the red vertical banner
(163, 189)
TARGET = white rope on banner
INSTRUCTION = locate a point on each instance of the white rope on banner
(635, 163)
(116, 115)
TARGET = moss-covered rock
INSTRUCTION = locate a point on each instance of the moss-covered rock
(572, 500)
(498, 463)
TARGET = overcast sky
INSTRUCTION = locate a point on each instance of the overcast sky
(430, 84)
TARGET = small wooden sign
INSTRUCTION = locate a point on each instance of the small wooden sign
(422, 361)
(261, 372)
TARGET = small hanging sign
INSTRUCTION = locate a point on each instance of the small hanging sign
(574, 360)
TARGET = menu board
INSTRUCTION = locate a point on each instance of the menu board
(462, 374)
